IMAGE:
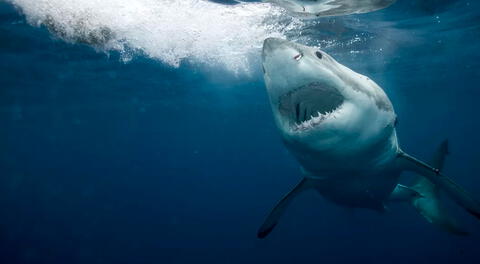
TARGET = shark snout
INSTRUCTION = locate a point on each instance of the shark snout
(271, 44)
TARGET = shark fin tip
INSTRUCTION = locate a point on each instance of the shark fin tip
(264, 232)
(476, 214)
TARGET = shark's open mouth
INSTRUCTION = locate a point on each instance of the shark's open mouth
(309, 105)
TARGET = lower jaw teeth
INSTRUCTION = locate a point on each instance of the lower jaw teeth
(313, 121)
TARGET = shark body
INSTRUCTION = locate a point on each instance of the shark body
(325, 8)
(340, 127)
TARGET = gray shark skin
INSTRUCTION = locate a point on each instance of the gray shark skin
(325, 8)
(340, 127)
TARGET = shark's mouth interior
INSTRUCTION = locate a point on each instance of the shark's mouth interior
(309, 105)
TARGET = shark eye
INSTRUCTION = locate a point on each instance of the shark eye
(319, 54)
(298, 57)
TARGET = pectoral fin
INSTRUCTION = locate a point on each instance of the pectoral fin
(430, 207)
(402, 193)
(272, 219)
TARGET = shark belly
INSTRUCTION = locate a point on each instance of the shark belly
(363, 179)
(359, 190)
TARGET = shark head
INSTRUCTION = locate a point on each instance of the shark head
(322, 106)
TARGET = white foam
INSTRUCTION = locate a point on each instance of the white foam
(172, 31)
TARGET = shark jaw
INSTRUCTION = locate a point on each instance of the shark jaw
(308, 106)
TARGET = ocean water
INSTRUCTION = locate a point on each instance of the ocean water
(139, 131)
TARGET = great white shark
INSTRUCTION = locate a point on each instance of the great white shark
(324, 8)
(340, 127)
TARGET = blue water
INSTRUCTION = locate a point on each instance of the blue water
(105, 159)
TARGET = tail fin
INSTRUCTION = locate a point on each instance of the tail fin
(279, 209)
(428, 203)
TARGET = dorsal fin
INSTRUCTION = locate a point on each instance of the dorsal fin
(435, 177)
(437, 162)
(427, 200)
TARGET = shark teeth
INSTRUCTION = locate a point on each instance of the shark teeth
(314, 120)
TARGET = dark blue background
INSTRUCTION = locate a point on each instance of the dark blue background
(109, 162)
